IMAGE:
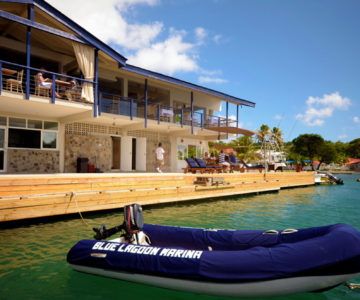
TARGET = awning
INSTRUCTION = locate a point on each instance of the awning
(233, 130)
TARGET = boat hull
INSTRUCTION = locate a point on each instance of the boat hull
(267, 288)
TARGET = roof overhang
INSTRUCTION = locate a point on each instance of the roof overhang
(233, 130)
(179, 82)
(81, 35)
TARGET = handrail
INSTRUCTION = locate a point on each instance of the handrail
(47, 72)
(53, 78)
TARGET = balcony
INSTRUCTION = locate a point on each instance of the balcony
(25, 80)
(161, 113)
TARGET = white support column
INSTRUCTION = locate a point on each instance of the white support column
(125, 87)
(61, 145)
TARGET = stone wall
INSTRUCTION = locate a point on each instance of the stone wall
(32, 161)
(96, 148)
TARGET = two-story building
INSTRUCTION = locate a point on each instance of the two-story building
(66, 95)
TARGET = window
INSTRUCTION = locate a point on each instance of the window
(35, 124)
(182, 153)
(34, 134)
(16, 122)
(22, 138)
(49, 140)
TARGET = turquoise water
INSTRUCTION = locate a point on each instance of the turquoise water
(33, 257)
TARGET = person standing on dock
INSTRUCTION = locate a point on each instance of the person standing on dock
(160, 156)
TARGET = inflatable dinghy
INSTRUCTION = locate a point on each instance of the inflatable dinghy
(233, 263)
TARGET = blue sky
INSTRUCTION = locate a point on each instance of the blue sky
(297, 60)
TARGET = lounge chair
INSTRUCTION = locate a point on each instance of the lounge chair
(211, 169)
(235, 165)
(193, 166)
(257, 167)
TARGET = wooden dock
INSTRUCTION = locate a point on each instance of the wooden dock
(32, 196)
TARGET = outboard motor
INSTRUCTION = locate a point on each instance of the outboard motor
(133, 223)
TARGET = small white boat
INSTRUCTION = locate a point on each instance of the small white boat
(322, 177)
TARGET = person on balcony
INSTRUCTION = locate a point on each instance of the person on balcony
(45, 82)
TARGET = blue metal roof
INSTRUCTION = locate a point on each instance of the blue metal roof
(194, 87)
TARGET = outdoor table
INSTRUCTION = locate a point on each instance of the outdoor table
(8, 72)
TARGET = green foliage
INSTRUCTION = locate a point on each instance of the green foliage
(308, 145)
(353, 149)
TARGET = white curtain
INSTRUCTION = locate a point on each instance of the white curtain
(85, 56)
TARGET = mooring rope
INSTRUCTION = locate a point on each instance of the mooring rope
(73, 195)
(352, 286)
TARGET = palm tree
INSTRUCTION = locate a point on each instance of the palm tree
(264, 133)
(277, 138)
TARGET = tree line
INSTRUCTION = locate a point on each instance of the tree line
(304, 147)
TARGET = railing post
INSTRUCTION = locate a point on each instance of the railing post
(158, 113)
(146, 102)
(131, 108)
(227, 118)
(219, 135)
(100, 102)
(96, 83)
(192, 111)
(53, 88)
(1, 79)
(181, 117)
(28, 50)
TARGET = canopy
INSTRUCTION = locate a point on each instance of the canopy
(233, 130)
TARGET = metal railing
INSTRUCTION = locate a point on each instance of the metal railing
(131, 107)
(22, 79)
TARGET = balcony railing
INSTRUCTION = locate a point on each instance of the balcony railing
(25, 80)
(135, 108)
(22, 79)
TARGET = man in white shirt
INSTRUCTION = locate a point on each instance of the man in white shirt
(160, 156)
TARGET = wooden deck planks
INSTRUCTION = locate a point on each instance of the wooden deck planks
(31, 196)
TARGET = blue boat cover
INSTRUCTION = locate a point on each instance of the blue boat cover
(228, 255)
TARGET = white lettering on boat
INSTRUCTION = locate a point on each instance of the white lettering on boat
(147, 250)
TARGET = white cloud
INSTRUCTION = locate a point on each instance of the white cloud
(217, 38)
(141, 42)
(356, 119)
(319, 109)
(278, 117)
(206, 79)
(168, 57)
(108, 22)
(342, 137)
(200, 34)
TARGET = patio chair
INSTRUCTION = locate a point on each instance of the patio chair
(41, 90)
(15, 83)
(193, 166)
(257, 167)
(210, 169)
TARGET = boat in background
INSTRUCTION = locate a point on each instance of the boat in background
(232, 263)
(323, 177)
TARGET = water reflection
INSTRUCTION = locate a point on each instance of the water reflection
(33, 257)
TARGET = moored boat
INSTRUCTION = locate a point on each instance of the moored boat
(235, 263)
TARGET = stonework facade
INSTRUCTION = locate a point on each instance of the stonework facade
(32, 161)
(96, 148)
(151, 146)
